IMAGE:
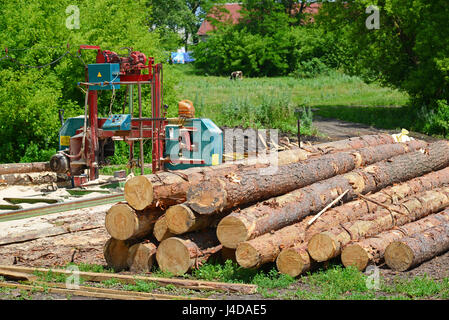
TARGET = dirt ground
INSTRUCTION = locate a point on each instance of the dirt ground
(87, 246)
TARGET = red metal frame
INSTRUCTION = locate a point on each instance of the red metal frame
(153, 129)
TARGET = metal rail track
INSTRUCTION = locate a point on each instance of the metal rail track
(61, 207)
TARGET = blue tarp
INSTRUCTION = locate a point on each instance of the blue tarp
(181, 57)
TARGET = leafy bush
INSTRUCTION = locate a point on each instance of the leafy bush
(310, 69)
(36, 34)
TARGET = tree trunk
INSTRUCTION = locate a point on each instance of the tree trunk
(265, 248)
(141, 257)
(32, 178)
(249, 223)
(180, 254)
(328, 244)
(294, 261)
(123, 222)
(422, 246)
(166, 189)
(372, 250)
(181, 219)
(116, 253)
(250, 186)
(7, 168)
(160, 230)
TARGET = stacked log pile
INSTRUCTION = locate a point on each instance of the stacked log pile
(373, 198)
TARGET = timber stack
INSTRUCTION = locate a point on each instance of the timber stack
(365, 199)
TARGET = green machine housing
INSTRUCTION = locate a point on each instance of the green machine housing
(68, 130)
(195, 142)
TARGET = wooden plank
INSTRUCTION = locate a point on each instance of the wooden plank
(84, 292)
(182, 283)
(61, 207)
(47, 232)
(13, 275)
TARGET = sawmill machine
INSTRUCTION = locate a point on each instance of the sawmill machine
(87, 141)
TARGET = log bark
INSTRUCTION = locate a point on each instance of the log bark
(160, 231)
(409, 252)
(277, 213)
(32, 178)
(166, 189)
(180, 254)
(141, 257)
(328, 244)
(372, 250)
(116, 253)
(7, 168)
(181, 219)
(218, 194)
(123, 222)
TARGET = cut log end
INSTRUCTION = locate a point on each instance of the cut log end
(354, 255)
(179, 219)
(121, 222)
(116, 254)
(321, 247)
(291, 262)
(139, 192)
(160, 230)
(207, 197)
(399, 256)
(141, 257)
(247, 256)
(231, 231)
(173, 256)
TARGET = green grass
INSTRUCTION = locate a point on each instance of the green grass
(271, 102)
(419, 287)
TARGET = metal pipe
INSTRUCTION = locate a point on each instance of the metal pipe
(139, 89)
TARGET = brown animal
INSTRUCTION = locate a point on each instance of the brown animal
(236, 75)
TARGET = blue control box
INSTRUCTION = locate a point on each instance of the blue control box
(104, 72)
(118, 122)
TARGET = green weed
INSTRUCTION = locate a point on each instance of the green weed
(141, 286)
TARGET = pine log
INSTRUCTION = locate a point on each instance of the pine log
(123, 222)
(372, 250)
(116, 253)
(181, 219)
(215, 195)
(180, 254)
(160, 231)
(294, 261)
(265, 248)
(409, 252)
(166, 189)
(141, 257)
(254, 221)
(7, 168)
(328, 244)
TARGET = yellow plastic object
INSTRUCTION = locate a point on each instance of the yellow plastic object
(402, 137)
(186, 109)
